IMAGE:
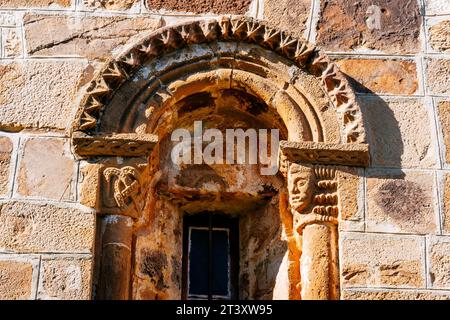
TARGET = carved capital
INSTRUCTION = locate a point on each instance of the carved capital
(313, 194)
(123, 190)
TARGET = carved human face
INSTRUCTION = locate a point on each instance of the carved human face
(300, 186)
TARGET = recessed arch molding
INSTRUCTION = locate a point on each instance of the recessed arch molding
(121, 121)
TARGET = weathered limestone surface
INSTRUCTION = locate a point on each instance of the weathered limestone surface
(288, 15)
(381, 75)
(32, 227)
(343, 26)
(90, 37)
(443, 109)
(37, 93)
(11, 42)
(401, 203)
(404, 141)
(47, 169)
(382, 260)
(109, 4)
(437, 7)
(200, 6)
(35, 3)
(439, 262)
(15, 279)
(445, 184)
(440, 36)
(65, 278)
(351, 206)
(437, 74)
(6, 148)
(356, 294)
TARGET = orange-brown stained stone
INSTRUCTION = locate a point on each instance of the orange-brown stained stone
(381, 76)
(444, 120)
(201, 6)
(446, 206)
(343, 25)
(15, 280)
(5, 161)
(35, 3)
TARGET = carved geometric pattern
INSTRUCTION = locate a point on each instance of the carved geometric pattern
(238, 29)
(126, 145)
(351, 154)
(325, 201)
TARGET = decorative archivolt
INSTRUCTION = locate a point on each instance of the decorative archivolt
(117, 72)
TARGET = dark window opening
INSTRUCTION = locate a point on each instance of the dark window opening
(210, 256)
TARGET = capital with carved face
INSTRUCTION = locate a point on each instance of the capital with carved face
(301, 182)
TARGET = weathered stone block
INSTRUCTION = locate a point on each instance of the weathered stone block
(47, 169)
(8, 19)
(66, 278)
(439, 262)
(405, 139)
(15, 279)
(12, 43)
(438, 81)
(288, 15)
(379, 294)
(200, 6)
(345, 25)
(35, 3)
(351, 199)
(6, 148)
(89, 185)
(443, 109)
(91, 37)
(440, 36)
(37, 93)
(31, 227)
(381, 260)
(109, 4)
(381, 75)
(401, 203)
(445, 187)
(437, 7)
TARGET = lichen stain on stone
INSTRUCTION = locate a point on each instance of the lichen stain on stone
(152, 264)
(176, 271)
(402, 200)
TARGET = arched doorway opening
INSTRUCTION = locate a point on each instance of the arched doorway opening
(227, 74)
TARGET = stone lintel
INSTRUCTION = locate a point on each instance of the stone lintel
(122, 144)
(350, 154)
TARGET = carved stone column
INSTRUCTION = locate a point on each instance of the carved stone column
(114, 282)
(313, 201)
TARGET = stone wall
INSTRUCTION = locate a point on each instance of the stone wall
(396, 245)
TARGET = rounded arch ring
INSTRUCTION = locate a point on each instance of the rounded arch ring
(244, 48)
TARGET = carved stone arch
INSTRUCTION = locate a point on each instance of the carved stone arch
(122, 114)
